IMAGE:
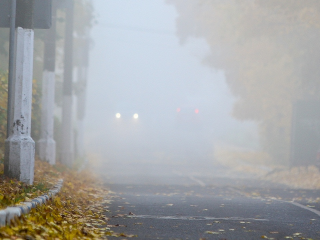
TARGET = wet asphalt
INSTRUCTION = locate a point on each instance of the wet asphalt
(177, 205)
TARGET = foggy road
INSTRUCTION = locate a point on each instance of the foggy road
(208, 208)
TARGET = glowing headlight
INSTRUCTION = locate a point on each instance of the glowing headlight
(135, 116)
(118, 115)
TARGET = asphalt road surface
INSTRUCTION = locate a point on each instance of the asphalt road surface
(180, 205)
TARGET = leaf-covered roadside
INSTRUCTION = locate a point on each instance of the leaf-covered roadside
(12, 191)
(75, 213)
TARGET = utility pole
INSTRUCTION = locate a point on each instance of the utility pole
(67, 153)
(20, 149)
(81, 93)
(46, 144)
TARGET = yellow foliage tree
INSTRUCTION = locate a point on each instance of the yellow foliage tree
(268, 50)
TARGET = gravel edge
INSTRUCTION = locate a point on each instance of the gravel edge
(10, 213)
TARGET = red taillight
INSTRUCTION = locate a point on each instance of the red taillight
(178, 109)
(196, 111)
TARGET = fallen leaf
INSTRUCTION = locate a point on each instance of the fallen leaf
(211, 232)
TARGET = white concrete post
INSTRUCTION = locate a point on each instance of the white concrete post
(67, 151)
(80, 139)
(81, 101)
(67, 155)
(81, 95)
(20, 147)
(46, 144)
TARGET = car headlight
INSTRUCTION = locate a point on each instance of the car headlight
(118, 115)
(135, 116)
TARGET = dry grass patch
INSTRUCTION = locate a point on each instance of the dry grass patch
(242, 161)
(297, 177)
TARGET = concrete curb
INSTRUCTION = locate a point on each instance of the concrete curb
(10, 213)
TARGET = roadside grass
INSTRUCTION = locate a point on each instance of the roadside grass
(296, 177)
(12, 191)
(77, 212)
(259, 165)
(244, 162)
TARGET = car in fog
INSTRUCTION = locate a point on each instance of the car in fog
(192, 135)
(174, 135)
(123, 139)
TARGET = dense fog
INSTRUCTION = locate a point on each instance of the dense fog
(195, 86)
(139, 66)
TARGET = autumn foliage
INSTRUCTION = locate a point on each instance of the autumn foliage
(269, 53)
(77, 212)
